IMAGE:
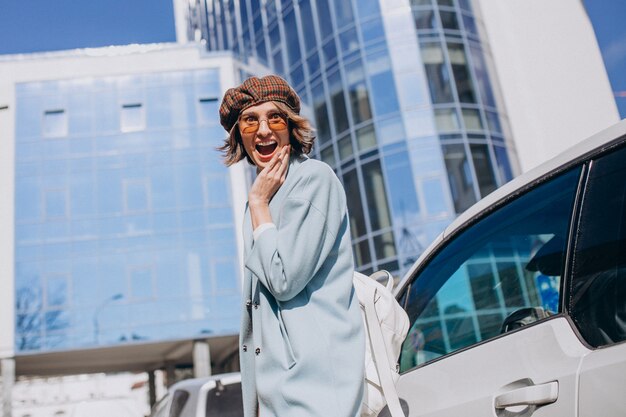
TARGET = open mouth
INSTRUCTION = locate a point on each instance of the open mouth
(266, 148)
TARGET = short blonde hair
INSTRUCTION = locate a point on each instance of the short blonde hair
(301, 137)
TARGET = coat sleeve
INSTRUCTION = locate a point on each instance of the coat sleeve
(286, 258)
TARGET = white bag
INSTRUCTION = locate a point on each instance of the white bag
(386, 326)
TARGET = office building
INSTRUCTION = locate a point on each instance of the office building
(121, 248)
(407, 100)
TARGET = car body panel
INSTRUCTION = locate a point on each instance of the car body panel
(603, 382)
(466, 383)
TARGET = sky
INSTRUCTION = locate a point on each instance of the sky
(49, 25)
(607, 17)
(45, 25)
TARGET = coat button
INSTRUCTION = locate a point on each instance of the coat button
(256, 305)
(257, 351)
(245, 348)
(248, 303)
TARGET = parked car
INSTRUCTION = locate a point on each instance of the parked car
(215, 396)
(519, 306)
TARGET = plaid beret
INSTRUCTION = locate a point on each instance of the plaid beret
(255, 91)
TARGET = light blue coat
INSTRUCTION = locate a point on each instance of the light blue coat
(302, 340)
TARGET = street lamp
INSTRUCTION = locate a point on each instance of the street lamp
(96, 327)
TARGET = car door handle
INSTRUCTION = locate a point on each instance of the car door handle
(532, 395)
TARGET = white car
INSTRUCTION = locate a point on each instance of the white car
(215, 396)
(519, 307)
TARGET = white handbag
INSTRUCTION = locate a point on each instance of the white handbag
(386, 326)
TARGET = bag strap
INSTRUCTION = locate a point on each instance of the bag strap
(380, 353)
(380, 275)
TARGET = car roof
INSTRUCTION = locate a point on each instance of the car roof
(196, 384)
(594, 145)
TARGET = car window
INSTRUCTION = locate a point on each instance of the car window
(224, 401)
(501, 273)
(598, 293)
(179, 399)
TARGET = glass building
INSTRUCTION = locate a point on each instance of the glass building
(403, 98)
(124, 225)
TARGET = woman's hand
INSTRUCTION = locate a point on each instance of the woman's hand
(267, 182)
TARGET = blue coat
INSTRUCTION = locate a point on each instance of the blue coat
(302, 341)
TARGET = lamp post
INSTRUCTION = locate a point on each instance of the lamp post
(96, 326)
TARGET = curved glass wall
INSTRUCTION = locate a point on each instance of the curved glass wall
(401, 98)
(124, 224)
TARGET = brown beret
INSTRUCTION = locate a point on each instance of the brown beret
(254, 91)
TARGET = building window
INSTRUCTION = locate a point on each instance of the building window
(54, 123)
(132, 117)
(345, 147)
(225, 273)
(425, 19)
(383, 86)
(366, 138)
(141, 282)
(136, 195)
(472, 120)
(361, 251)
(207, 109)
(461, 71)
(484, 169)
(355, 207)
(321, 113)
(339, 103)
(56, 291)
(376, 195)
(357, 90)
(449, 20)
(55, 203)
(385, 246)
(437, 73)
(460, 177)
(447, 120)
(217, 191)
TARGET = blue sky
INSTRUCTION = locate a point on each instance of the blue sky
(607, 17)
(45, 25)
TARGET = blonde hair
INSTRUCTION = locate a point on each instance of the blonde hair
(301, 137)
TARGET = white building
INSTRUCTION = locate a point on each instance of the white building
(120, 250)
(551, 73)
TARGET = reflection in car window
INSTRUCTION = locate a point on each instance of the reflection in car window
(598, 293)
(224, 401)
(501, 273)
(178, 402)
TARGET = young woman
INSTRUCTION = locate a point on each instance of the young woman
(302, 340)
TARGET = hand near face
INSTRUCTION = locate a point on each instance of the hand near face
(269, 179)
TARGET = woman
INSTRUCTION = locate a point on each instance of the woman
(302, 340)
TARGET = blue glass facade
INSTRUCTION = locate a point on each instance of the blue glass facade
(401, 96)
(124, 219)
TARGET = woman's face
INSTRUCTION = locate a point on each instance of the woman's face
(264, 132)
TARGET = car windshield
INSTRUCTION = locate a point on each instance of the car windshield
(178, 402)
(224, 401)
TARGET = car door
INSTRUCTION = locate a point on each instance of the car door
(597, 302)
(488, 334)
